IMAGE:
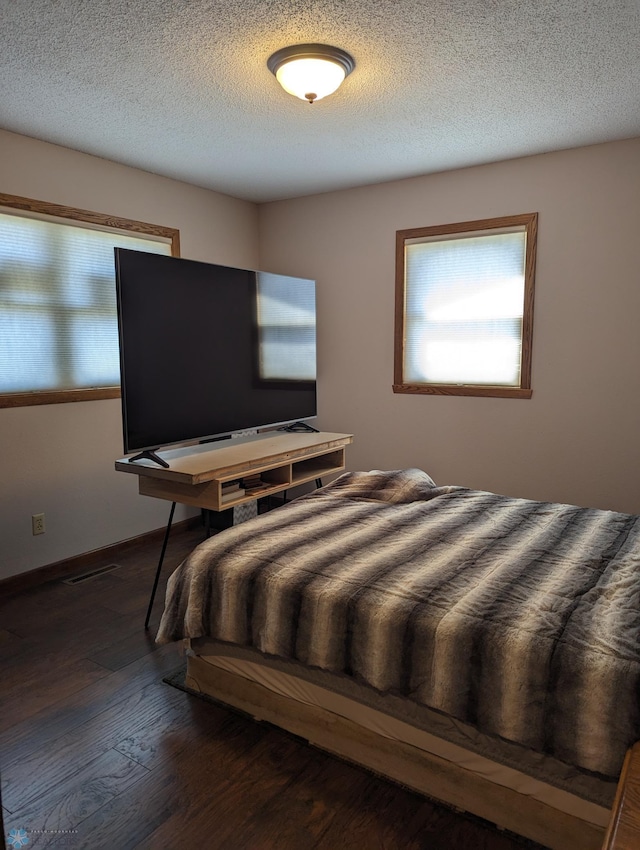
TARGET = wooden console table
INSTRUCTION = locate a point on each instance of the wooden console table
(195, 474)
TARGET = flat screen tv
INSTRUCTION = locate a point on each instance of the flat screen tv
(209, 350)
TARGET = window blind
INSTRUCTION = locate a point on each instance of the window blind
(58, 320)
(464, 305)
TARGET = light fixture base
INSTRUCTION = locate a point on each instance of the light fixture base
(311, 51)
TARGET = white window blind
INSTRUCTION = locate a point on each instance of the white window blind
(464, 305)
(58, 321)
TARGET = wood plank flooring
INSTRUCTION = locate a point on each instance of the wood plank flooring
(97, 752)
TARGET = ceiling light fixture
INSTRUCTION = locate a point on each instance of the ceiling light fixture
(310, 71)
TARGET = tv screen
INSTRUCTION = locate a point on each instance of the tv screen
(208, 350)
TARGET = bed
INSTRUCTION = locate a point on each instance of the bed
(481, 649)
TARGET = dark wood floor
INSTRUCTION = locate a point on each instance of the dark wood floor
(97, 752)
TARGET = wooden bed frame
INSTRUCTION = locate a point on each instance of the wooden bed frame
(623, 832)
(423, 772)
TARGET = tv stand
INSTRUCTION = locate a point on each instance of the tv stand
(149, 455)
(300, 427)
(194, 475)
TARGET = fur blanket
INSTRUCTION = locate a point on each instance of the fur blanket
(521, 618)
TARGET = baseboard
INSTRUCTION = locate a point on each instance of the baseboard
(77, 563)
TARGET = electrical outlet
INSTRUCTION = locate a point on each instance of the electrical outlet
(37, 524)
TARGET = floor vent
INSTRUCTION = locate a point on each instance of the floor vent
(99, 571)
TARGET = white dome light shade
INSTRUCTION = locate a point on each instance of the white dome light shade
(310, 71)
(310, 79)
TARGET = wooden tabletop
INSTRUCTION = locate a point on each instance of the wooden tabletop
(199, 463)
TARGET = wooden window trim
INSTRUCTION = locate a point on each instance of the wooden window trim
(103, 222)
(530, 223)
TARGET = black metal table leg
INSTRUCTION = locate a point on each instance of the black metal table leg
(164, 549)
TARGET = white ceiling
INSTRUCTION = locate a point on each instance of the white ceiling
(181, 87)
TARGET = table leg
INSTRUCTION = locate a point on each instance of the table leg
(164, 549)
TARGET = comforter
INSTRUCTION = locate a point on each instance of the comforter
(519, 617)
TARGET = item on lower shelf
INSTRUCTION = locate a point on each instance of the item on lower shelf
(231, 495)
(230, 486)
(252, 481)
(254, 484)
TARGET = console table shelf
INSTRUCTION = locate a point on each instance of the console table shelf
(282, 460)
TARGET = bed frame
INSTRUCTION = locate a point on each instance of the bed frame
(623, 832)
(412, 767)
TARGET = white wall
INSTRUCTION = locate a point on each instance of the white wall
(577, 440)
(58, 459)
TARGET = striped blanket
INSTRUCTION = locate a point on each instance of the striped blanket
(521, 618)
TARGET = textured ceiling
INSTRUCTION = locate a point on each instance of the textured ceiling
(181, 87)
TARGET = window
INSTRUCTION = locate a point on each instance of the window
(464, 308)
(58, 320)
